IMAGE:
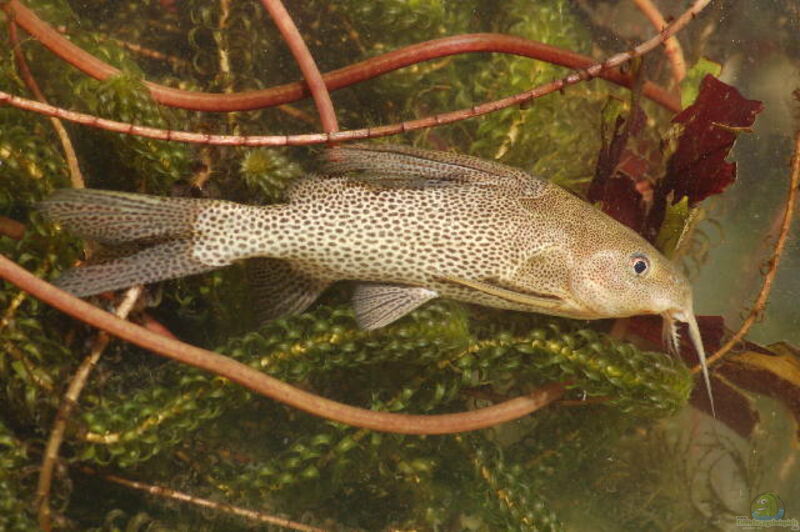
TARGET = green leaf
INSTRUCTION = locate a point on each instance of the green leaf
(674, 226)
(690, 86)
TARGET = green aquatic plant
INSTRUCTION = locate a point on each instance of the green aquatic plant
(268, 173)
(171, 425)
(15, 492)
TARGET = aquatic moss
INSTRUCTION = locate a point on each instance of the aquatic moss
(155, 164)
(15, 493)
(437, 359)
(268, 173)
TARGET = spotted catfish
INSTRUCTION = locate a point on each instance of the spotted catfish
(409, 224)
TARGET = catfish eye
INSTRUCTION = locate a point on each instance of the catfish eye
(640, 264)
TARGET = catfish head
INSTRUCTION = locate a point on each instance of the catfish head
(631, 278)
(604, 278)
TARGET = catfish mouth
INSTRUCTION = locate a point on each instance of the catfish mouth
(669, 332)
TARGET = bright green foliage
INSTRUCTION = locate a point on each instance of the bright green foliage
(556, 124)
(268, 172)
(159, 422)
(124, 98)
(674, 226)
(690, 86)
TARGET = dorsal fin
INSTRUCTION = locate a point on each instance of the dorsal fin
(397, 165)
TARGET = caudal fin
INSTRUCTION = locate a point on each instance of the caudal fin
(167, 234)
(118, 217)
(159, 262)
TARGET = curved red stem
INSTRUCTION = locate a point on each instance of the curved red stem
(301, 53)
(336, 79)
(269, 386)
(672, 48)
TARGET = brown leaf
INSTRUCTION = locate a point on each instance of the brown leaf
(773, 371)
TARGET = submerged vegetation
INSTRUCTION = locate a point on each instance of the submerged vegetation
(162, 423)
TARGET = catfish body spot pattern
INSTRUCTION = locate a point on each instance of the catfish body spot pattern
(410, 224)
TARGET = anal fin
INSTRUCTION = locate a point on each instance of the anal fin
(279, 289)
(377, 305)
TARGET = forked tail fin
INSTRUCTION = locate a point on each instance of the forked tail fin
(173, 237)
(159, 262)
(120, 217)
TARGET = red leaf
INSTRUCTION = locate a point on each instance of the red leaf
(648, 328)
(733, 408)
(623, 201)
(698, 168)
(618, 172)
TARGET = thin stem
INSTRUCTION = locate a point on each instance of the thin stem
(301, 53)
(337, 79)
(672, 47)
(173, 61)
(774, 262)
(593, 71)
(160, 491)
(75, 174)
(66, 407)
(269, 386)
(11, 228)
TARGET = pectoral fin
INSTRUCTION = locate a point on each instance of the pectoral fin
(278, 289)
(541, 302)
(377, 305)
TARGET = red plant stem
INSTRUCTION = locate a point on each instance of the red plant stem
(671, 46)
(337, 79)
(269, 386)
(301, 53)
(151, 324)
(774, 261)
(11, 228)
(75, 174)
(592, 71)
(161, 491)
(285, 140)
